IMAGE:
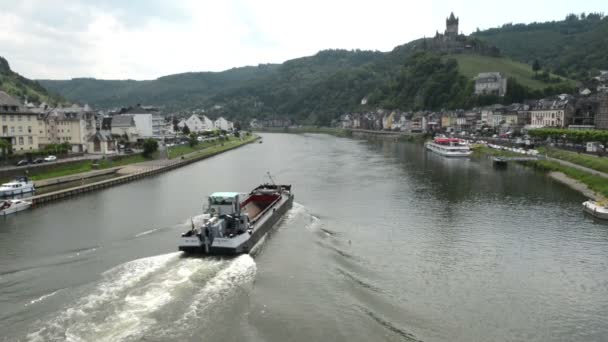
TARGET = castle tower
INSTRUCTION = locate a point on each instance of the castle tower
(451, 26)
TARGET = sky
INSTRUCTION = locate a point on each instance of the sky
(146, 39)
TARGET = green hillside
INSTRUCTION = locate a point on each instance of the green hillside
(576, 47)
(471, 65)
(23, 88)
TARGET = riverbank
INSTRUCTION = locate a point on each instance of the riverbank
(585, 182)
(144, 171)
(338, 132)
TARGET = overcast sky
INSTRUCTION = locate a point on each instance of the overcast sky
(146, 39)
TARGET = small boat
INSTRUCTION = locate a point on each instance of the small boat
(449, 147)
(20, 186)
(12, 206)
(598, 209)
(234, 222)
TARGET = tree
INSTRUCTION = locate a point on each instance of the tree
(150, 146)
(186, 130)
(5, 147)
(193, 140)
(536, 67)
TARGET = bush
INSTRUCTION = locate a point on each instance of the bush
(150, 146)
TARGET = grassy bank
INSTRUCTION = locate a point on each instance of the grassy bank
(203, 147)
(590, 161)
(339, 132)
(595, 183)
(222, 146)
(87, 165)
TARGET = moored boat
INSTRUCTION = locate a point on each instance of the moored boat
(449, 147)
(234, 222)
(20, 186)
(596, 208)
(12, 206)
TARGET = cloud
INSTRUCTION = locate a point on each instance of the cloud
(144, 39)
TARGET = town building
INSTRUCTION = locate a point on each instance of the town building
(19, 125)
(491, 83)
(601, 119)
(148, 120)
(73, 125)
(197, 123)
(551, 113)
(223, 124)
(102, 142)
(124, 126)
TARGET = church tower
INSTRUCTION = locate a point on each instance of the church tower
(451, 26)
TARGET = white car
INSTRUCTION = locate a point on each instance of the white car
(50, 158)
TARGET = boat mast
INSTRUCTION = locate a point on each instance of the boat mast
(270, 177)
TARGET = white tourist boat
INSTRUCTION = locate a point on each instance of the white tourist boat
(20, 186)
(12, 206)
(596, 208)
(449, 147)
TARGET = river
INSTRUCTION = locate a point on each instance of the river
(386, 242)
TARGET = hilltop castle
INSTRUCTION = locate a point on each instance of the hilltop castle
(451, 29)
(451, 26)
(453, 42)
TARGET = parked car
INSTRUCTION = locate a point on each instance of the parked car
(23, 162)
(128, 150)
(50, 158)
(38, 161)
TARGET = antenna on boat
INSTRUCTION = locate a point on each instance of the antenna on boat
(270, 177)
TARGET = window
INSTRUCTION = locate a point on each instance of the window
(20, 140)
(29, 118)
(12, 129)
(29, 129)
(20, 129)
(30, 140)
(3, 118)
(18, 117)
(12, 117)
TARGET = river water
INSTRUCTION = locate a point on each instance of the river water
(386, 242)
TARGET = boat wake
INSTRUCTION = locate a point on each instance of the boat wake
(150, 294)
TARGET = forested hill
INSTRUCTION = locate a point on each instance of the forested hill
(179, 91)
(23, 88)
(576, 47)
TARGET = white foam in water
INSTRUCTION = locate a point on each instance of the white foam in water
(123, 305)
(117, 280)
(147, 232)
(43, 297)
(296, 210)
(240, 272)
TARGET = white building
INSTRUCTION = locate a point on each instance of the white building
(490, 83)
(550, 113)
(143, 124)
(197, 123)
(223, 124)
